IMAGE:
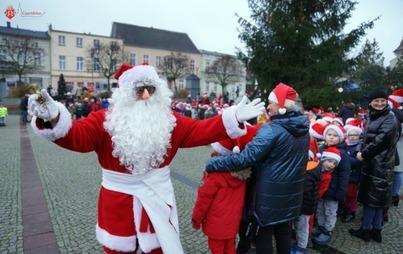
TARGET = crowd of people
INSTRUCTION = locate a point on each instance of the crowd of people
(332, 160)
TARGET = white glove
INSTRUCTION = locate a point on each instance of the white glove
(46, 111)
(244, 112)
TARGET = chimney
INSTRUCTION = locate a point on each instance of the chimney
(8, 24)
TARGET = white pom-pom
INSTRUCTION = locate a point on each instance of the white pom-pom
(236, 149)
(282, 111)
(318, 155)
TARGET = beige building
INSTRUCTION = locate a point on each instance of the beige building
(399, 53)
(151, 45)
(209, 85)
(23, 49)
(70, 55)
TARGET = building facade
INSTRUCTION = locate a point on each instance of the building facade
(71, 56)
(26, 51)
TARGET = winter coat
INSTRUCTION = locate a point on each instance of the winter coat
(340, 176)
(219, 203)
(313, 176)
(399, 154)
(356, 164)
(278, 155)
(378, 151)
(347, 111)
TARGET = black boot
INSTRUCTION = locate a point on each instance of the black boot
(363, 234)
(349, 216)
(395, 200)
(376, 235)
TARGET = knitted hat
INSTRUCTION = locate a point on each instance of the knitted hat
(331, 153)
(377, 93)
(397, 95)
(284, 96)
(338, 129)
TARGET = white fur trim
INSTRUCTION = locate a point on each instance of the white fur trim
(329, 155)
(231, 124)
(59, 130)
(220, 149)
(399, 99)
(148, 241)
(113, 242)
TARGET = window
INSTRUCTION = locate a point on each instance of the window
(145, 58)
(181, 64)
(215, 87)
(37, 59)
(21, 58)
(97, 67)
(62, 62)
(207, 87)
(181, 83)
(79, 42)
(132, 59)
(96, 43)
(192, 66)
(158, 61)
(3, 55)
(80, 63)
(62, 40)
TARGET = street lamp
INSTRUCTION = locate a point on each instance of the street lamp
(340, 89)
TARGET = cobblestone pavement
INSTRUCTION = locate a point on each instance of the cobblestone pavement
(71, 181)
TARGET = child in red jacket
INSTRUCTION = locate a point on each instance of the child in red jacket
(220, 200)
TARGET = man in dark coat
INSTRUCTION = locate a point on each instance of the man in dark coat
(278, 155)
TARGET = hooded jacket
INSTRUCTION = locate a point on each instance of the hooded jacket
(311, 187)
(378, 151)
(278, 155)
(219, 203)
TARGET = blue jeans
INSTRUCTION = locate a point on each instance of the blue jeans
(397, 183)
(372, 217)
(24, 114)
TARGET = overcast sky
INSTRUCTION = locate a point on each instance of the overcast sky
(210, 24)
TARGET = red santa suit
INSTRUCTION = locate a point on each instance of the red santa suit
(124, 212)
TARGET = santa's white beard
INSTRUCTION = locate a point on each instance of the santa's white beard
(140, 129)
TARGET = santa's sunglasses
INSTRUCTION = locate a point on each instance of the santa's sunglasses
(140, 90)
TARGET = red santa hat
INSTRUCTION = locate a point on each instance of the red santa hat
(397, 95)
(354, 128)
(339, 120)
(361, 112)
(229, 146)
(341, 132)
(317, 130)
(284, 96)
(392, 103)
(137, 76)
(331, 153)
(316, 111)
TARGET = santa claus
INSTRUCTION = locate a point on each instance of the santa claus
(135, 139)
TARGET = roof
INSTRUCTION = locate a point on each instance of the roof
(153, 38)
(24, 32)
(400, 48)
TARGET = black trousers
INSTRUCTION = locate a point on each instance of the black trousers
(282, 235)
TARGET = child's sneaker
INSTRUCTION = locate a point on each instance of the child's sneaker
(323, 238)
(297, 250)
(317, 231)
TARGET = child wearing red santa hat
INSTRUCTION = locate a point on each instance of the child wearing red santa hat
(327, 209)
(351, 203)
(220, 198)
